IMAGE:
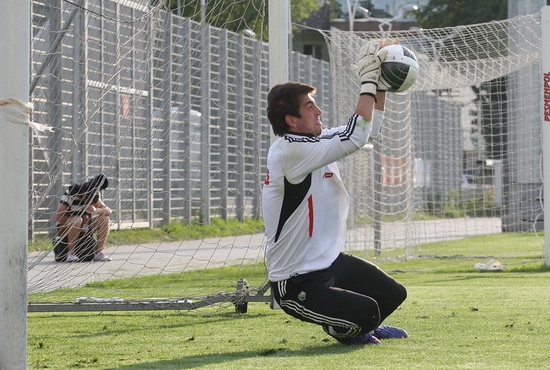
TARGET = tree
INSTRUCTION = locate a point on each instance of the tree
(451, 13)
(237, 15)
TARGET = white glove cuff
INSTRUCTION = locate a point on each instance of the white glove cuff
(369, 88)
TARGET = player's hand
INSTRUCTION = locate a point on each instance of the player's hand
(368, 68)
(104, 211)
(369, 65)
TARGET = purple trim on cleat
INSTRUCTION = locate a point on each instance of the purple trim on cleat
(360, 339)
(389, 332)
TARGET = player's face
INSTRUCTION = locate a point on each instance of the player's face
(309, 121)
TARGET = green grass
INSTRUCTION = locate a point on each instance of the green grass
(457, 318)
(170, 232)
(196, 283)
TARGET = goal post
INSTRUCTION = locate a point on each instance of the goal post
(14, 77)
(279, 41)
(545, 79)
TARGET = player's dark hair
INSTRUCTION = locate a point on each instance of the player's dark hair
(284, 99)
(92, 187)
(74, 189)
(99, 182)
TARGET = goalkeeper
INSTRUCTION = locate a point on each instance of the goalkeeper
(305, 207)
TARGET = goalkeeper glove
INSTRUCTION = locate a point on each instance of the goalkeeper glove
(368, 67)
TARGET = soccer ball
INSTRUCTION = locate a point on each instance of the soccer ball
(398, 70)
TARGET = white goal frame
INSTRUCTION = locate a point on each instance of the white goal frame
(14, 159)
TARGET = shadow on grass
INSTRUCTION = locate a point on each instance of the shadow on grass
(193, 362)
(115, 323)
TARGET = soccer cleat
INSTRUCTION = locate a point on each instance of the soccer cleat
(72, 257)
(100, 257)
(389, 332)
(360, 339)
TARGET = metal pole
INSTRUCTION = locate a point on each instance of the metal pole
(55, 45)
(351, 13)
(279, 44)
(279, 41)
(545, 23)
(14, 166)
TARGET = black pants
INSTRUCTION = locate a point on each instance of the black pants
(351, 297)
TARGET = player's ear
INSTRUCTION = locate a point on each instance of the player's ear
(290, 120)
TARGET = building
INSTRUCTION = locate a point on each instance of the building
(309, 41)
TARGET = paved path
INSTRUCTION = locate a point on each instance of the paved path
(171, 257)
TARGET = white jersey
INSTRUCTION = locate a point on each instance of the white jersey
(305, 203)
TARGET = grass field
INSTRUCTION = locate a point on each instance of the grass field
(457, 318)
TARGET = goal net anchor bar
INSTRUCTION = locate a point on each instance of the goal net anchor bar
(242, 296)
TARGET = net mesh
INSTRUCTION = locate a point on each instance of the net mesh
(170, 107)
(462, 146)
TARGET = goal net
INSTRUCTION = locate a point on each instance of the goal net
(170, 107)
(459, 153)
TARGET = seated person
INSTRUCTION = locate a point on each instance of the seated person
(82, 210)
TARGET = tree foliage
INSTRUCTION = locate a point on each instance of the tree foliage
(237, 15)
(450, 13)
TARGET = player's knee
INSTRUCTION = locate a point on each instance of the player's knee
(402, 292)
(399, 295)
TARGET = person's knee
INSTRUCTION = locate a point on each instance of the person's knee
(369, 316)
(102, 219)
(399, 296)
(371, 322)
(74, 221)
(402, 292)
(73, 225)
